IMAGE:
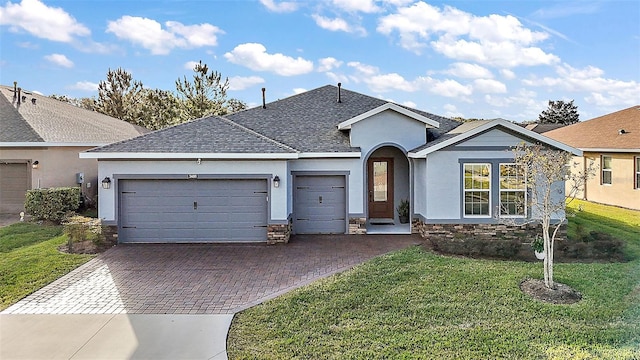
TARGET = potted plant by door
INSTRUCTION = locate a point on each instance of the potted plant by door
(538, 247)
(403, 211)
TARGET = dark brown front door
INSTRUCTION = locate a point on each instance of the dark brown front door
(380, 187)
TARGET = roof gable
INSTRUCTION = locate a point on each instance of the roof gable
(309, 121)
(604, 132)
(471, 129)
(13, 128)
(346, 125)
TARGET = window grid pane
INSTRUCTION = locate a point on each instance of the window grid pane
(513, 187)
(606, 170)
(477, 185)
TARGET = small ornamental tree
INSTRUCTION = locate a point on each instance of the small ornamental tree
(553, 180)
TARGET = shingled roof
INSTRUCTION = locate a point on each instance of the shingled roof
(616, 131)
(307, 122)
(207, 135)
(53, 121)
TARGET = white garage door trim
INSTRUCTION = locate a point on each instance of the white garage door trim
(202, 209)
(330, 215)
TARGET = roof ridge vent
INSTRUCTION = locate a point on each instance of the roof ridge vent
(622, 132)
(339, 92)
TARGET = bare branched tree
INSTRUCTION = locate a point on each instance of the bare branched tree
(553, 180)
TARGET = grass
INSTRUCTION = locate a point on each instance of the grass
(413, 304)
(29, 259)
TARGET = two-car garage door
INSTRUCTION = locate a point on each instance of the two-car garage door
(211, 210)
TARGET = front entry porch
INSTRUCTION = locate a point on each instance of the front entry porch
(387, 180)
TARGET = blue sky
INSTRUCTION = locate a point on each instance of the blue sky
(475, 59)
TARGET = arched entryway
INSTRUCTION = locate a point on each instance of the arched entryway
(387, 185)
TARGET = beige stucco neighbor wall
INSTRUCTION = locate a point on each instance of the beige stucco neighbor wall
(621, 192)
(57, 167)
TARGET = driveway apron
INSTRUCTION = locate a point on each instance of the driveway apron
(133, 284)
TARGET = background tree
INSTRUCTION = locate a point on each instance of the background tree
(119, 95)
(560, 112)
(85, 103)
(157, 109)
(550, 174)
(206, 94)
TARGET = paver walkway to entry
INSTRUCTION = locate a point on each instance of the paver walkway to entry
(201, 279)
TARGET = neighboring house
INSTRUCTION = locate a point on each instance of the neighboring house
(542, 128)
(612, 143)
(323, 161)
(40, 139)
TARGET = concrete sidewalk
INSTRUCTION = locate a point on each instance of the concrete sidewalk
(125, 336)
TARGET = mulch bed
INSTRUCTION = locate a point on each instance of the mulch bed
(562, 294)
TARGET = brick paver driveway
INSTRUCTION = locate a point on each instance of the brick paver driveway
(201, 279)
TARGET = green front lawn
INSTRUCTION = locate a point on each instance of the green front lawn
(414, 304)
(29, 259)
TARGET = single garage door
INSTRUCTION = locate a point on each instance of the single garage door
(319, 205)
(171, 211)
(14, 182)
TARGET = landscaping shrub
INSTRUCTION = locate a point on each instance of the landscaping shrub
(53, 204)
(80, 228)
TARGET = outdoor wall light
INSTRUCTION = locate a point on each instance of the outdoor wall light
(35, 164)
(106, 183)
(276, 182)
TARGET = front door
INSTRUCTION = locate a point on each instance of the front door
(380, 187)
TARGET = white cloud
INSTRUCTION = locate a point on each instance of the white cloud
(378, 82)
(255, 57)
(40, 20)
(59, 60)
(452, 111)
(244, 82)
(494, 40)
(281, 7)
(328, 64)
(365, 6)
(508, 74)
(299, 90)
(466, 70)
(489, 86)
(602, 91)
(149, 34)
(410, 104)
(337, 78)
(84, 86)
(338, 24)
(191, 65)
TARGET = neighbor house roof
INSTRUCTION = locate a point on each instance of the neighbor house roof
(618, 131)
(305, 124)
(51, 121)
(542, 128)
(473, 128)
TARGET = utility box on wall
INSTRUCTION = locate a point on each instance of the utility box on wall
(79, 178)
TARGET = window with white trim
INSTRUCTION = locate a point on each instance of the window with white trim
(605, 165)
(477, 190)
(637, 172)
(513, 191)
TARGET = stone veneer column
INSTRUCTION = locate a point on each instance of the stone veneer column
(357, 226)
(278, 233)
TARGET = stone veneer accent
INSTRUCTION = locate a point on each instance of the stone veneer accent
(357, 226)
(278, 233)
(110, 234)
(481, 231)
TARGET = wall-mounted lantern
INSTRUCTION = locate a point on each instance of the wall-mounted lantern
(106, 183)
(35, 164)
(276, 182)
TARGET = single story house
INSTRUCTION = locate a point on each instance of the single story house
(40, 139)
(327, 160)
(612, 143)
